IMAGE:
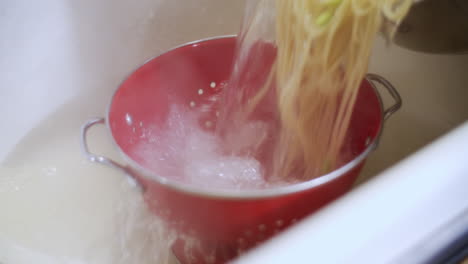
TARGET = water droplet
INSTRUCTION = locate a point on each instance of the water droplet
(192, 104)
(141, 123)
(200, 91)
(213, 85)
(262, 228)
(208, 124)
(129, 119)
(279, 223)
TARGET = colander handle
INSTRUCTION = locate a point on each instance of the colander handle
(85, 149)
(374, 78)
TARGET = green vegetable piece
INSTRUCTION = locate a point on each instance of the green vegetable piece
(324, 18)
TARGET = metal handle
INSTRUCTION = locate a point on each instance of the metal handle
(391, 90)
(90, 156)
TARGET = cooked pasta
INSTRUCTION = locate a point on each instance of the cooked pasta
(323, 49)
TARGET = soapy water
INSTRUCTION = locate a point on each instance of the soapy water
(187, 150)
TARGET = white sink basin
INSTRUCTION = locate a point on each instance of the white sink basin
(60, 64)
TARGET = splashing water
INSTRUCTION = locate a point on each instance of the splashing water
(141, 237)
(185, 151)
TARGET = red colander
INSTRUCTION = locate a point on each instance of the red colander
(222, 223)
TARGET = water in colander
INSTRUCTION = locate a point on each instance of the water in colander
(187, 150)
